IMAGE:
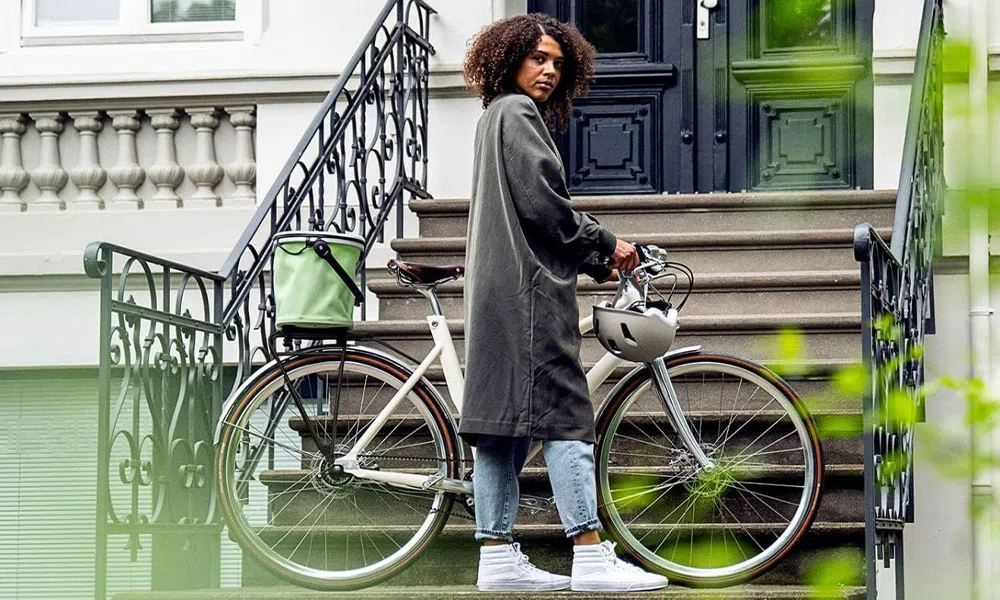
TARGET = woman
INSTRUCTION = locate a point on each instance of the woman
(526, 246)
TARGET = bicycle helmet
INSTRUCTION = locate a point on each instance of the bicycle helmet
(633, 333)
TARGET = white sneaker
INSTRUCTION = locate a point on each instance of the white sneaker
(505, 569)
(596, 568)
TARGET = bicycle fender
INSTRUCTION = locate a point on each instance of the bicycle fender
(685, 351)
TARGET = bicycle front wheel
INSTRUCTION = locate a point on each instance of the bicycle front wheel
(718, 526)
(308, 522)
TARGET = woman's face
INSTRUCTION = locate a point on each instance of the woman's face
(541, 70)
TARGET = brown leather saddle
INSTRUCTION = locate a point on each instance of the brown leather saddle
(408, 273)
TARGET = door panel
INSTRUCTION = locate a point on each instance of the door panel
(614, 144)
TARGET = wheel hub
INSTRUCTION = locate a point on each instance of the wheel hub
(330, 478)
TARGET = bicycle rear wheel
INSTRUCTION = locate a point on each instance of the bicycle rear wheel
(299, 517)
(724, 525)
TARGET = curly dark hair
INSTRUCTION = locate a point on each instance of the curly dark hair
(496, 53)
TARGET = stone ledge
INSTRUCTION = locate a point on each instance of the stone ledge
(40, 243)
(71, 91)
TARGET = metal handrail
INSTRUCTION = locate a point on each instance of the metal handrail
(897, 312)
(314, 125)
(326, 132)
(932, 16)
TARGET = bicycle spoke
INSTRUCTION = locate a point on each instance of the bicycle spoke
(793, 432)
(294, 496)
(709, 524)
(649, 443)
(290, 449)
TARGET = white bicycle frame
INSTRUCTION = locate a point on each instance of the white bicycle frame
(444, 350)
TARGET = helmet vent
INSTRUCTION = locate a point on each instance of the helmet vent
(628, 335)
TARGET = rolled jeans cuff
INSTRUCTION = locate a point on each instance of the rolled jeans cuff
(590, 525)
(487, 534)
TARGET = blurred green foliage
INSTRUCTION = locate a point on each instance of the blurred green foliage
(832, 570)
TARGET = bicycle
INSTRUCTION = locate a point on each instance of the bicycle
(338, 465)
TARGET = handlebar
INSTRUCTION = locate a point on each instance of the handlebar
(653, 265)
(652, 261)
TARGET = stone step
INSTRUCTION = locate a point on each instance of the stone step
(834, 336)
(839, 432)
(438, 592)
(811, 380)
(696, 212)
(293, 497)
(785, 292)
(454, 554)
(705, 252)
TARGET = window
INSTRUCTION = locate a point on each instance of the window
(611, 25)
(186, 11)
(66, 22)
(88, 12)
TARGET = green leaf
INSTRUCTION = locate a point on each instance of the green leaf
(851, 380)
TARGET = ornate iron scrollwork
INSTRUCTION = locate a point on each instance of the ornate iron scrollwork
(897, 312)
(166, 326)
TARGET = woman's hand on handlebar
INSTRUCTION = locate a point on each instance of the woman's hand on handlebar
(625, 257)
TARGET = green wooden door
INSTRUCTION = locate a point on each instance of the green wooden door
(801, 94)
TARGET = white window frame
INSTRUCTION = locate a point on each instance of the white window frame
(135, 27)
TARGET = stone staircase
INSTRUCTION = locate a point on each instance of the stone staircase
(762, 263)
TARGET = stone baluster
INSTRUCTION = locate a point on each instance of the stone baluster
(88, 175)
(243, 170)
(127, 175)
(13, 176)
(49, 175)
(205, 172)
(166, 173)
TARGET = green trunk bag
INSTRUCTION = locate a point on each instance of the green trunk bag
(307, 291)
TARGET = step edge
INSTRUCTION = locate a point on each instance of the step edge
(818, 200)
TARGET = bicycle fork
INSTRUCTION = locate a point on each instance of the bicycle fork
(675, 414)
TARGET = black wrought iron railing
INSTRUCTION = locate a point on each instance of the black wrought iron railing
(897, 311)
(175, 339)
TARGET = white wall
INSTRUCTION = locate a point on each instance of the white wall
(298, 36)
(938, 546)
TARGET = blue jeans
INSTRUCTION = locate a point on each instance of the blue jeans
(499, 460)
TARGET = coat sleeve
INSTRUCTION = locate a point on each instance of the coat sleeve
(538, 189)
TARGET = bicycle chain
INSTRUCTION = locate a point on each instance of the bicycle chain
(416, 458)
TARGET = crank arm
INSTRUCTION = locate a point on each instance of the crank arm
(536, 503)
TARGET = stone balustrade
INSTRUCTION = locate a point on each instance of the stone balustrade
(128, 159)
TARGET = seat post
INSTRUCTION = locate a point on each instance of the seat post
(430, 292)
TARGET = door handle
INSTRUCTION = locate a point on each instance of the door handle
(705, 8)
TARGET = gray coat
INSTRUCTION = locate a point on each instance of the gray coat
(525, 248)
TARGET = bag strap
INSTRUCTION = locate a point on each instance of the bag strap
(322, 250)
